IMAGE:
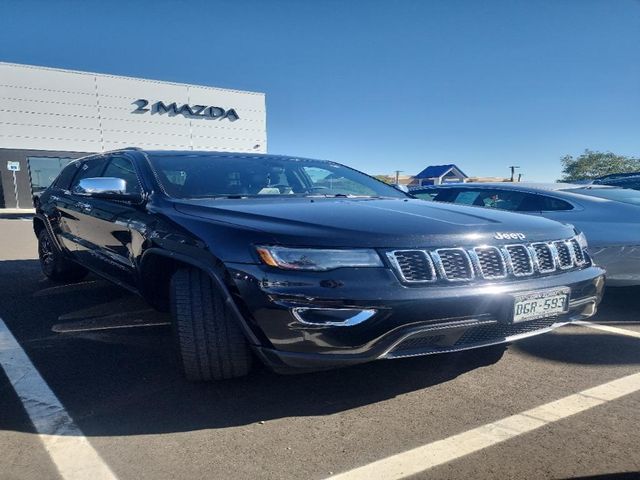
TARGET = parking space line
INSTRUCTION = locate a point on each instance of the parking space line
(69, 449)
(607, 328)
(443, 451)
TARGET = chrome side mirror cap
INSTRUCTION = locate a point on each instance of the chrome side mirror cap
(108, 188)
(101, 185)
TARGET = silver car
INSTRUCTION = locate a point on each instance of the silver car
(608, 216)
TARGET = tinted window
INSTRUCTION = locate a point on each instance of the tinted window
(44, 170)
(625, 195)
(64, 179)
(425, 195)
(493, 198)
(197, 175)
(120, 167)
(633, 183)
(88, 169)
(554, 204)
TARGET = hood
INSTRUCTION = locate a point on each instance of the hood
(383, 223)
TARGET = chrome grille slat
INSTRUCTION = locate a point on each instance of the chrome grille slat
(487, 262)
(414, 266)
(578, 254)
(520, 260)
(454, 264)
(545, 258)
(565, 259)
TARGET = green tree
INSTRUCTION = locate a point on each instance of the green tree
(591, 165)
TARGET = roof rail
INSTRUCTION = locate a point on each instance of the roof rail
(125, 148)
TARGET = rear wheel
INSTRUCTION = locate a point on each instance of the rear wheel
(211, 344)
(54, 265)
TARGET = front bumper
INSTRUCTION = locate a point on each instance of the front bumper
(408, 321)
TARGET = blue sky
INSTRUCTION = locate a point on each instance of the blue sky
(378, 85)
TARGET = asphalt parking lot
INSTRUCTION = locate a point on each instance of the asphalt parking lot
(123, 390)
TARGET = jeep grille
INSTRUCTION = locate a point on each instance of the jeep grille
(486, 262)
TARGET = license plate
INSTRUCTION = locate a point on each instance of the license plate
(544, 303)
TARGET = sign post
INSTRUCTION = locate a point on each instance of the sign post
(14, 167)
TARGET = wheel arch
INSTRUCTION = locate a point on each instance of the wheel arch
(41, 222)
(38, 224)
(157, 267)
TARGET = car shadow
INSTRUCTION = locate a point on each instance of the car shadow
(128, 381)
(583, 346)
(619, 305)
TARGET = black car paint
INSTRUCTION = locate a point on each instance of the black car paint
(122, 241)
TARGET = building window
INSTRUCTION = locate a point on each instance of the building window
(44, 170)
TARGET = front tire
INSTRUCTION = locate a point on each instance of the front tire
(211, 344)
(54, 265)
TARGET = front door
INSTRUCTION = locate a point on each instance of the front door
(103, 226)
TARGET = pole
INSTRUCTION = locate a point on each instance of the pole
(15, 188)
(513, 172)
(398, 176)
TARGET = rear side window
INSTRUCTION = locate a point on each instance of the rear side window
(64, 179)
(512, 200)
(633, 183)
(551, 204)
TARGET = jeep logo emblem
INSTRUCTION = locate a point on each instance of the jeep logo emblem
(509, 236)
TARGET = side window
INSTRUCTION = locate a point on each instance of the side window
(425, 195)
(501, 199)
(468, 197)
(530, 202)
(551, 204)
(443, 194)
(88, 169)
(120, 167)
(64, 179)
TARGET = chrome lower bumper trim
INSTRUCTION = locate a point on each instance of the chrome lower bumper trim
(586, 308)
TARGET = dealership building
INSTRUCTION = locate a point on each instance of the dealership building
(50, 116)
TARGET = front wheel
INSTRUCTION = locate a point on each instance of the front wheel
(53, 263)
(211, 344)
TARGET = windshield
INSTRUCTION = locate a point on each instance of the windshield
(202, 175)
(618, 194)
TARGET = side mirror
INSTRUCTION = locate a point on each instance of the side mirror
(402, 188)
(108, 188)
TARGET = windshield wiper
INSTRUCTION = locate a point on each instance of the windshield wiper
(231, 196)
(340, 195)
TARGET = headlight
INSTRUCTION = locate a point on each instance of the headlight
(317, 258)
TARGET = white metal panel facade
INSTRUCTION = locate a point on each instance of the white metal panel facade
(51, 109)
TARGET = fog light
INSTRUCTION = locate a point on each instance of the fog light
(336, 317)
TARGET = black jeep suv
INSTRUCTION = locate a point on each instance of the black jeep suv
(307, 264)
